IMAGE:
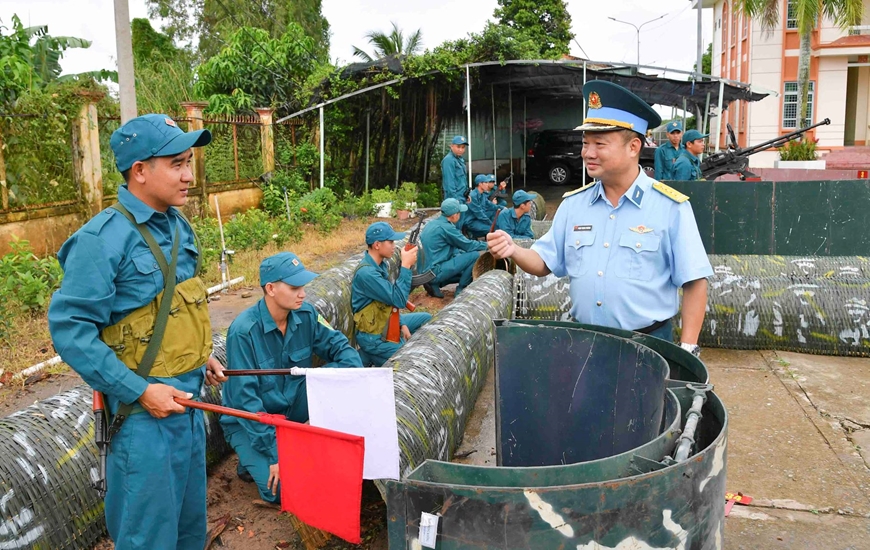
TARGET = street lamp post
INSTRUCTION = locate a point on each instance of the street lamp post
(637, 29)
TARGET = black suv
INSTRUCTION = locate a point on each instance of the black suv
(555, 156)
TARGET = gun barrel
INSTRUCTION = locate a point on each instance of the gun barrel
(781, 140)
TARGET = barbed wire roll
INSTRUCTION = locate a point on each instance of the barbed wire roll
(540, 228)
(441, 370)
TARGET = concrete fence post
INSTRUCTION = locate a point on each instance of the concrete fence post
(194, 114)
(87, 167)
(267, 138)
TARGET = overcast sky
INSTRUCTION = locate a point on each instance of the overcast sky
(668, 42)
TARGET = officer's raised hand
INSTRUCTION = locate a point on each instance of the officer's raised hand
(409, 257)
(159, 400)
(500, 244)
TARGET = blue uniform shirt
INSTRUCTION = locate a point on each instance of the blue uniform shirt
(372, 284)
(441, 241)
(255, 342)
(666, 155)
(454, 177)
(687, 167)
(109, 272)
(626, 263)
(518, 228)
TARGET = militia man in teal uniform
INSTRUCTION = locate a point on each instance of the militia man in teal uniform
(449, 254)
(280, 331)
(667, 153)
(517, 222)
(481, 207)
(454, 173)
(496, 194)
(374, 295)
(688, 165)
(627, 243)
(116, 269)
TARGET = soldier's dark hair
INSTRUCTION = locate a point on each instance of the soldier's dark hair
(628, 135)
(126, 173)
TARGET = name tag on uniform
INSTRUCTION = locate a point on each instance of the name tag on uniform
(582, 228)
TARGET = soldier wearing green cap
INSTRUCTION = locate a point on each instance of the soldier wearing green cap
(449, 254)
(688, 165)
(667, 153)
(627, 243)
(280, 331)
(374, 295)
(105, 320)
(517, 222)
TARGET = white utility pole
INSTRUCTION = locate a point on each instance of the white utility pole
(124, 45)
(637, 30)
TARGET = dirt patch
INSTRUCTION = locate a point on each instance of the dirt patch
(15, 397)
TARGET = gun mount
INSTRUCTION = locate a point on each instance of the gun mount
(735, 160)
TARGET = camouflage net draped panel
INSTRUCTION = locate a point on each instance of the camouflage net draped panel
(815, 305)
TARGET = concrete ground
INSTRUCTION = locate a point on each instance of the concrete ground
(799, 444)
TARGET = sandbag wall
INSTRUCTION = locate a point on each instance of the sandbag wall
(809, 305)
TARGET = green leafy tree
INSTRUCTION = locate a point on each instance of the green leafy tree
(164, 72)
(706, 61)
(547, 22)
(30, 58)
(844, 14)
(254, 70)
(211, 22)
(394, 43)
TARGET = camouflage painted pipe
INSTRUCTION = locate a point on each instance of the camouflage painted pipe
(441, 370)
(805, 304)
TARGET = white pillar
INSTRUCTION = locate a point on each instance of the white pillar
(468, 110)
(124, 46)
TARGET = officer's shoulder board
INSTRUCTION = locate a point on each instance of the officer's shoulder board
(670, 192)
(580, 190)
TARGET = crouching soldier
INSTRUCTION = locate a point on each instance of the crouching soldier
(517, 222)
(449, 254)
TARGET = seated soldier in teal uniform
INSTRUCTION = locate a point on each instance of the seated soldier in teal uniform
(481, 207)
(495, 195)
(280, 331)
(517, 222)
(449, 254)
(374, 295)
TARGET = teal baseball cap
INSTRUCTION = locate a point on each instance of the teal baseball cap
(521, 197)
(152, 135)
(459, 140)
(674, 126)
(490, 177)
(452, 206)
(612, 107)
(381, 231)
(692, 135)
(480, 178)
(285, 267)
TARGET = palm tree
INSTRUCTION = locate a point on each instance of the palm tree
(391, 44)
(844, 13)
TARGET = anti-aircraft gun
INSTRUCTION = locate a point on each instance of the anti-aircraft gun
(735, 160)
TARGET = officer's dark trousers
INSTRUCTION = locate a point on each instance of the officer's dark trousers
(456, 270)
(157, 484)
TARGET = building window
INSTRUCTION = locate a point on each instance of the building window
(724, 26)
(745, 26)
(791, 14)
(790, 105)
(733, 26)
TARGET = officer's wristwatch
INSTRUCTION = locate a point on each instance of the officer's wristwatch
(694, 349)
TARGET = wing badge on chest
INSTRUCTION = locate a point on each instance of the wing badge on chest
(641, 229)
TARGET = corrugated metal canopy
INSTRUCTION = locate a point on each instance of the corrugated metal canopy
(566, 81)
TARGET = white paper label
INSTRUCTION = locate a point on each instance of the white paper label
(428, 529)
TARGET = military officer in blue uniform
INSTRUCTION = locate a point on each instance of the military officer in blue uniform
(481, 207)
(374, 295)
(517, 222)
(449, 254)
(628, 243)
(101, 319)
(667, 153)
(280, 331)
(688, 165)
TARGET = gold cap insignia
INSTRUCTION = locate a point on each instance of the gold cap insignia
(595, 101)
